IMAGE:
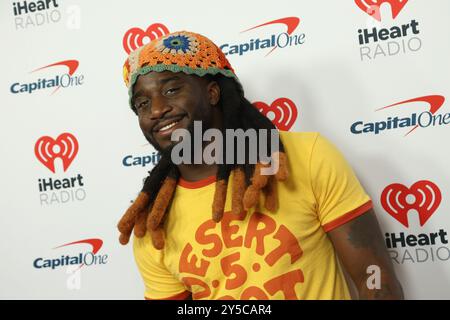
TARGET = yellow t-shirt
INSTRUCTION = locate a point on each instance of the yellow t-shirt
(259, 255)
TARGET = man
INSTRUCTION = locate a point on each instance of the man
(229, 231)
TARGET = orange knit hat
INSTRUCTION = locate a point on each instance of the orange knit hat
(180, 51)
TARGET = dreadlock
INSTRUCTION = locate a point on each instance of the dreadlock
(149, 210)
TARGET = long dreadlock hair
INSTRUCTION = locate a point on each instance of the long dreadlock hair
(148, 211)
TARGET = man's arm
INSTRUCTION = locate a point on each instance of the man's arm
(359, 244)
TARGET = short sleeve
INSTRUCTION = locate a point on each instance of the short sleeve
(339, 195)
(159, 282)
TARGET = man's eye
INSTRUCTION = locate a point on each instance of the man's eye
(142, 104)
(171, 91)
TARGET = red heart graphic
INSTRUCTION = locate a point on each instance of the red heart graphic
(284, 111)
(427, 198)
(372, 7)
(68, 149)
(134, 38)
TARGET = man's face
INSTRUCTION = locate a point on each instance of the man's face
(166, 101)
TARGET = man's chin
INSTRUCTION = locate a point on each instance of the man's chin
(164, 148)
(154, 143)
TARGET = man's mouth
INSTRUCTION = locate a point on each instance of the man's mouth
(167, 126)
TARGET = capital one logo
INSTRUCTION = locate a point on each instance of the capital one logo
(64, 147)
(283, 39)
(136, 37)
(291, 23)
(282, 112)
(428, 118)
(56, 81)
(87, 258)
(433, 102)
(372, 7)
(423, 196)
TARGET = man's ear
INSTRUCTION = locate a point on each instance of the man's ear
(213, 90)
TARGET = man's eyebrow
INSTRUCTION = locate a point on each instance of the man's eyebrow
(136, 94)
(161, 82)
(174, 78)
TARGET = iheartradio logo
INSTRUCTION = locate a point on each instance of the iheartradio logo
(423, 196)
(282, 112)
(47, 149)
(136, 37)
(372, 7)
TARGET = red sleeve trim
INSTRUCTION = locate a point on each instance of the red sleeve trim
(348, 216)
(180, 296)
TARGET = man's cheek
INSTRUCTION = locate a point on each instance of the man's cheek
(145, 126)
(150, 138)
(148, 134)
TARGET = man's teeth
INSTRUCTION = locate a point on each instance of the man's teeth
(170, 125)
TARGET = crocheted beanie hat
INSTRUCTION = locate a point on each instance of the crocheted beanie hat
(180, 51)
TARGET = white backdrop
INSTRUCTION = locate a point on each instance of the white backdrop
(330, 79)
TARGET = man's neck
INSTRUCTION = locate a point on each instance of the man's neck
(196, 172)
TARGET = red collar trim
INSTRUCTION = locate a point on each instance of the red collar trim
(196, 184)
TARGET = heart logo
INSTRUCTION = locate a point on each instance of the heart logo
(282, 112)
(134, 38)
(372, 7)
(48, 149)
(423, 196)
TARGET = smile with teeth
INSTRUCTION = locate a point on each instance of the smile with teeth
(170, 125)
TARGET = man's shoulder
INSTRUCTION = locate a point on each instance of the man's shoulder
(299, 147)
(301, 142)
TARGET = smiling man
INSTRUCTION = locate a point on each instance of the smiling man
(228, 230)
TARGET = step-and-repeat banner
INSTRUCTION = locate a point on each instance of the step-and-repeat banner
(372, 76)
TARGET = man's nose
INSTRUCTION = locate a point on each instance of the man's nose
(159, 107)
